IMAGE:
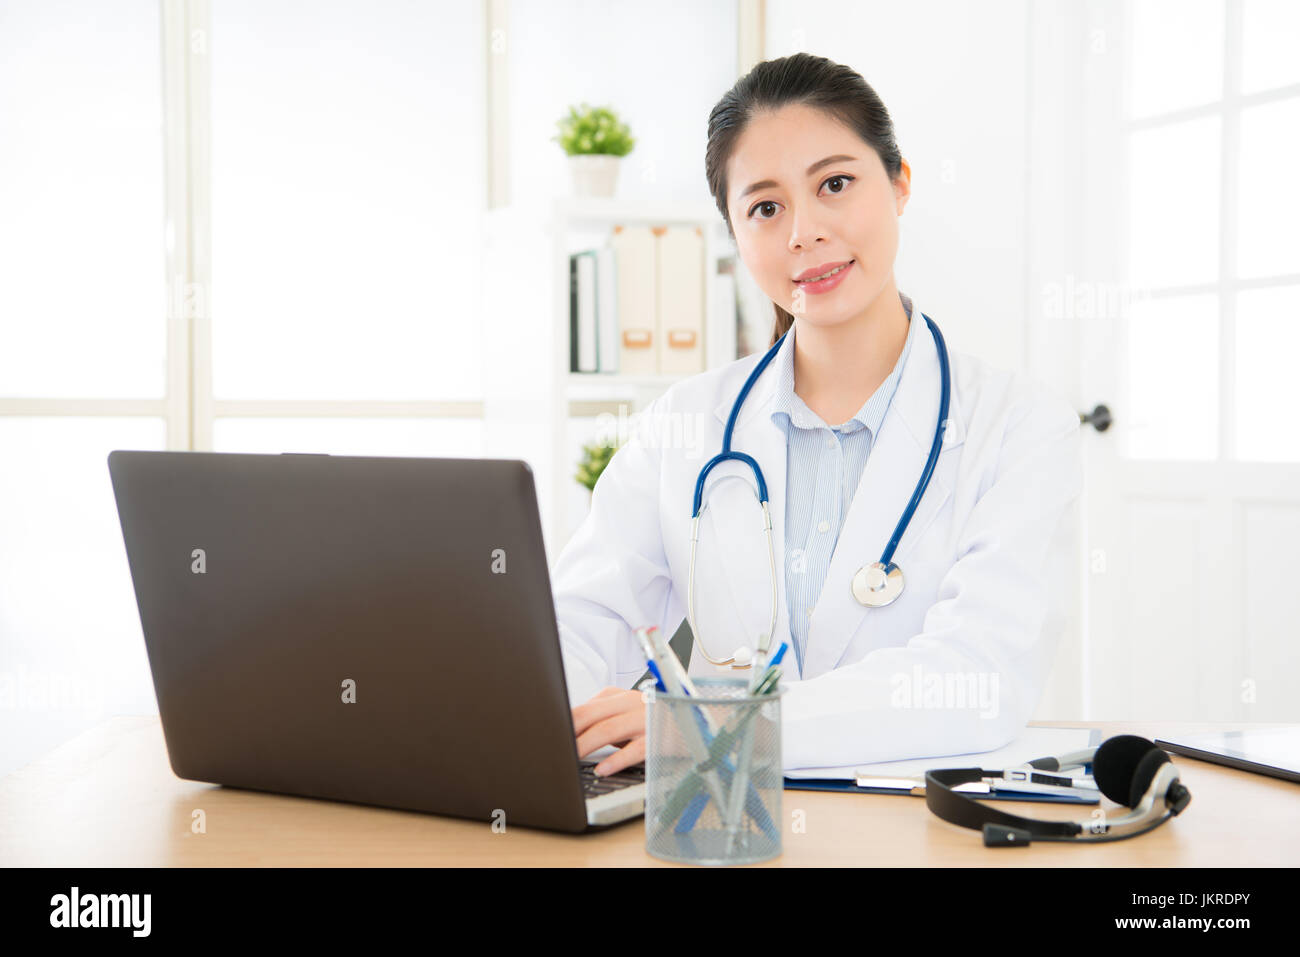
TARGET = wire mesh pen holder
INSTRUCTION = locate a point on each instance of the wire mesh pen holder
(713, 774)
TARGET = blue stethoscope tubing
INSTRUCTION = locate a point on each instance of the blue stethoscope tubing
(874, 585)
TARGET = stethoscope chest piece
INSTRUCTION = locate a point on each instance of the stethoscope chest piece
(877, 585)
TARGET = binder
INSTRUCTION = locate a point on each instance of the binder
(679, 299)
(582, 312)
(1033, 742)
(607, 344)
(634, 262)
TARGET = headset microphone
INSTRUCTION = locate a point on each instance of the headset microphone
(1128, 769)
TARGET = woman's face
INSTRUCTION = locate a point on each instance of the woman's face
(806, 214)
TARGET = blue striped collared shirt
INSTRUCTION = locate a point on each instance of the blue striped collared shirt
(823, 467)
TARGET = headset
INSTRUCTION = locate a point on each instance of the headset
(1128, 769)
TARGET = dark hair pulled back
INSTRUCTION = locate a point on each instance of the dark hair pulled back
(804, 79)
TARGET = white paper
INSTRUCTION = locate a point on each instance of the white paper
(1032, 743)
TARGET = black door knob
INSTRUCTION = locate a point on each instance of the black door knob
(1098, 418)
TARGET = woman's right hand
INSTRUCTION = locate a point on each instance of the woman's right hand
(612, 716)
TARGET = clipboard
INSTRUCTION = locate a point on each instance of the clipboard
(908, 778)
(918, 790)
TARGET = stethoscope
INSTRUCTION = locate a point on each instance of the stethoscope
(874, 585)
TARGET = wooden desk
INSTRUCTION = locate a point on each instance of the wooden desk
(109, 798)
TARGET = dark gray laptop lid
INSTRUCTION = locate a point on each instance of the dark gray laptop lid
(265, 582)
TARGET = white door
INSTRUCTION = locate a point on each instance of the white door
(1180, 298)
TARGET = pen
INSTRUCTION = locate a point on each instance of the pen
(916, 787)
(718, 749)
(741, 784)
(692, 813)
(694, 736)
(648, 650)
(686, 794)
(707, 728)
(667, 654)
(759, 669)
(708, 732)
(685, 802)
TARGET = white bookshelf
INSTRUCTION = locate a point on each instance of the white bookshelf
(579, 223)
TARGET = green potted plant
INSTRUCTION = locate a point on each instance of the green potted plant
(594, 459)
(595, 140)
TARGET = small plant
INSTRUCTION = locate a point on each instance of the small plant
(594, 459)
(593, 130)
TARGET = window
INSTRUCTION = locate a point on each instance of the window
(1214, 100)
(237, 226)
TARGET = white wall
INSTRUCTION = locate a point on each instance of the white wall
(660, 69)
(954, 77)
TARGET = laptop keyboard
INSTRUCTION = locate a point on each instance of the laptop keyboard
(593, 786)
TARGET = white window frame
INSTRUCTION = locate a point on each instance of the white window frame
(1228, 285)
(188, 407)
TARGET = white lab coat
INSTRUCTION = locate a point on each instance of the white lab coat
(986, 558)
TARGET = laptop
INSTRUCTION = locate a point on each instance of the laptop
(376, 630)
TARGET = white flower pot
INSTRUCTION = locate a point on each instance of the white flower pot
(594, 174)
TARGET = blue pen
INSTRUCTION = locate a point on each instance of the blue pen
(753, 803)
(768, 683)
(725, 770)
(701, 800)
(780, 653)
(648, 650)
(659, 681)
(701, 744)
(692, 813)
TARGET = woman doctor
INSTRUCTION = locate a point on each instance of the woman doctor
(803, 165)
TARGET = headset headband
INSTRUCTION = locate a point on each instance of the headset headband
(1128, 769)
